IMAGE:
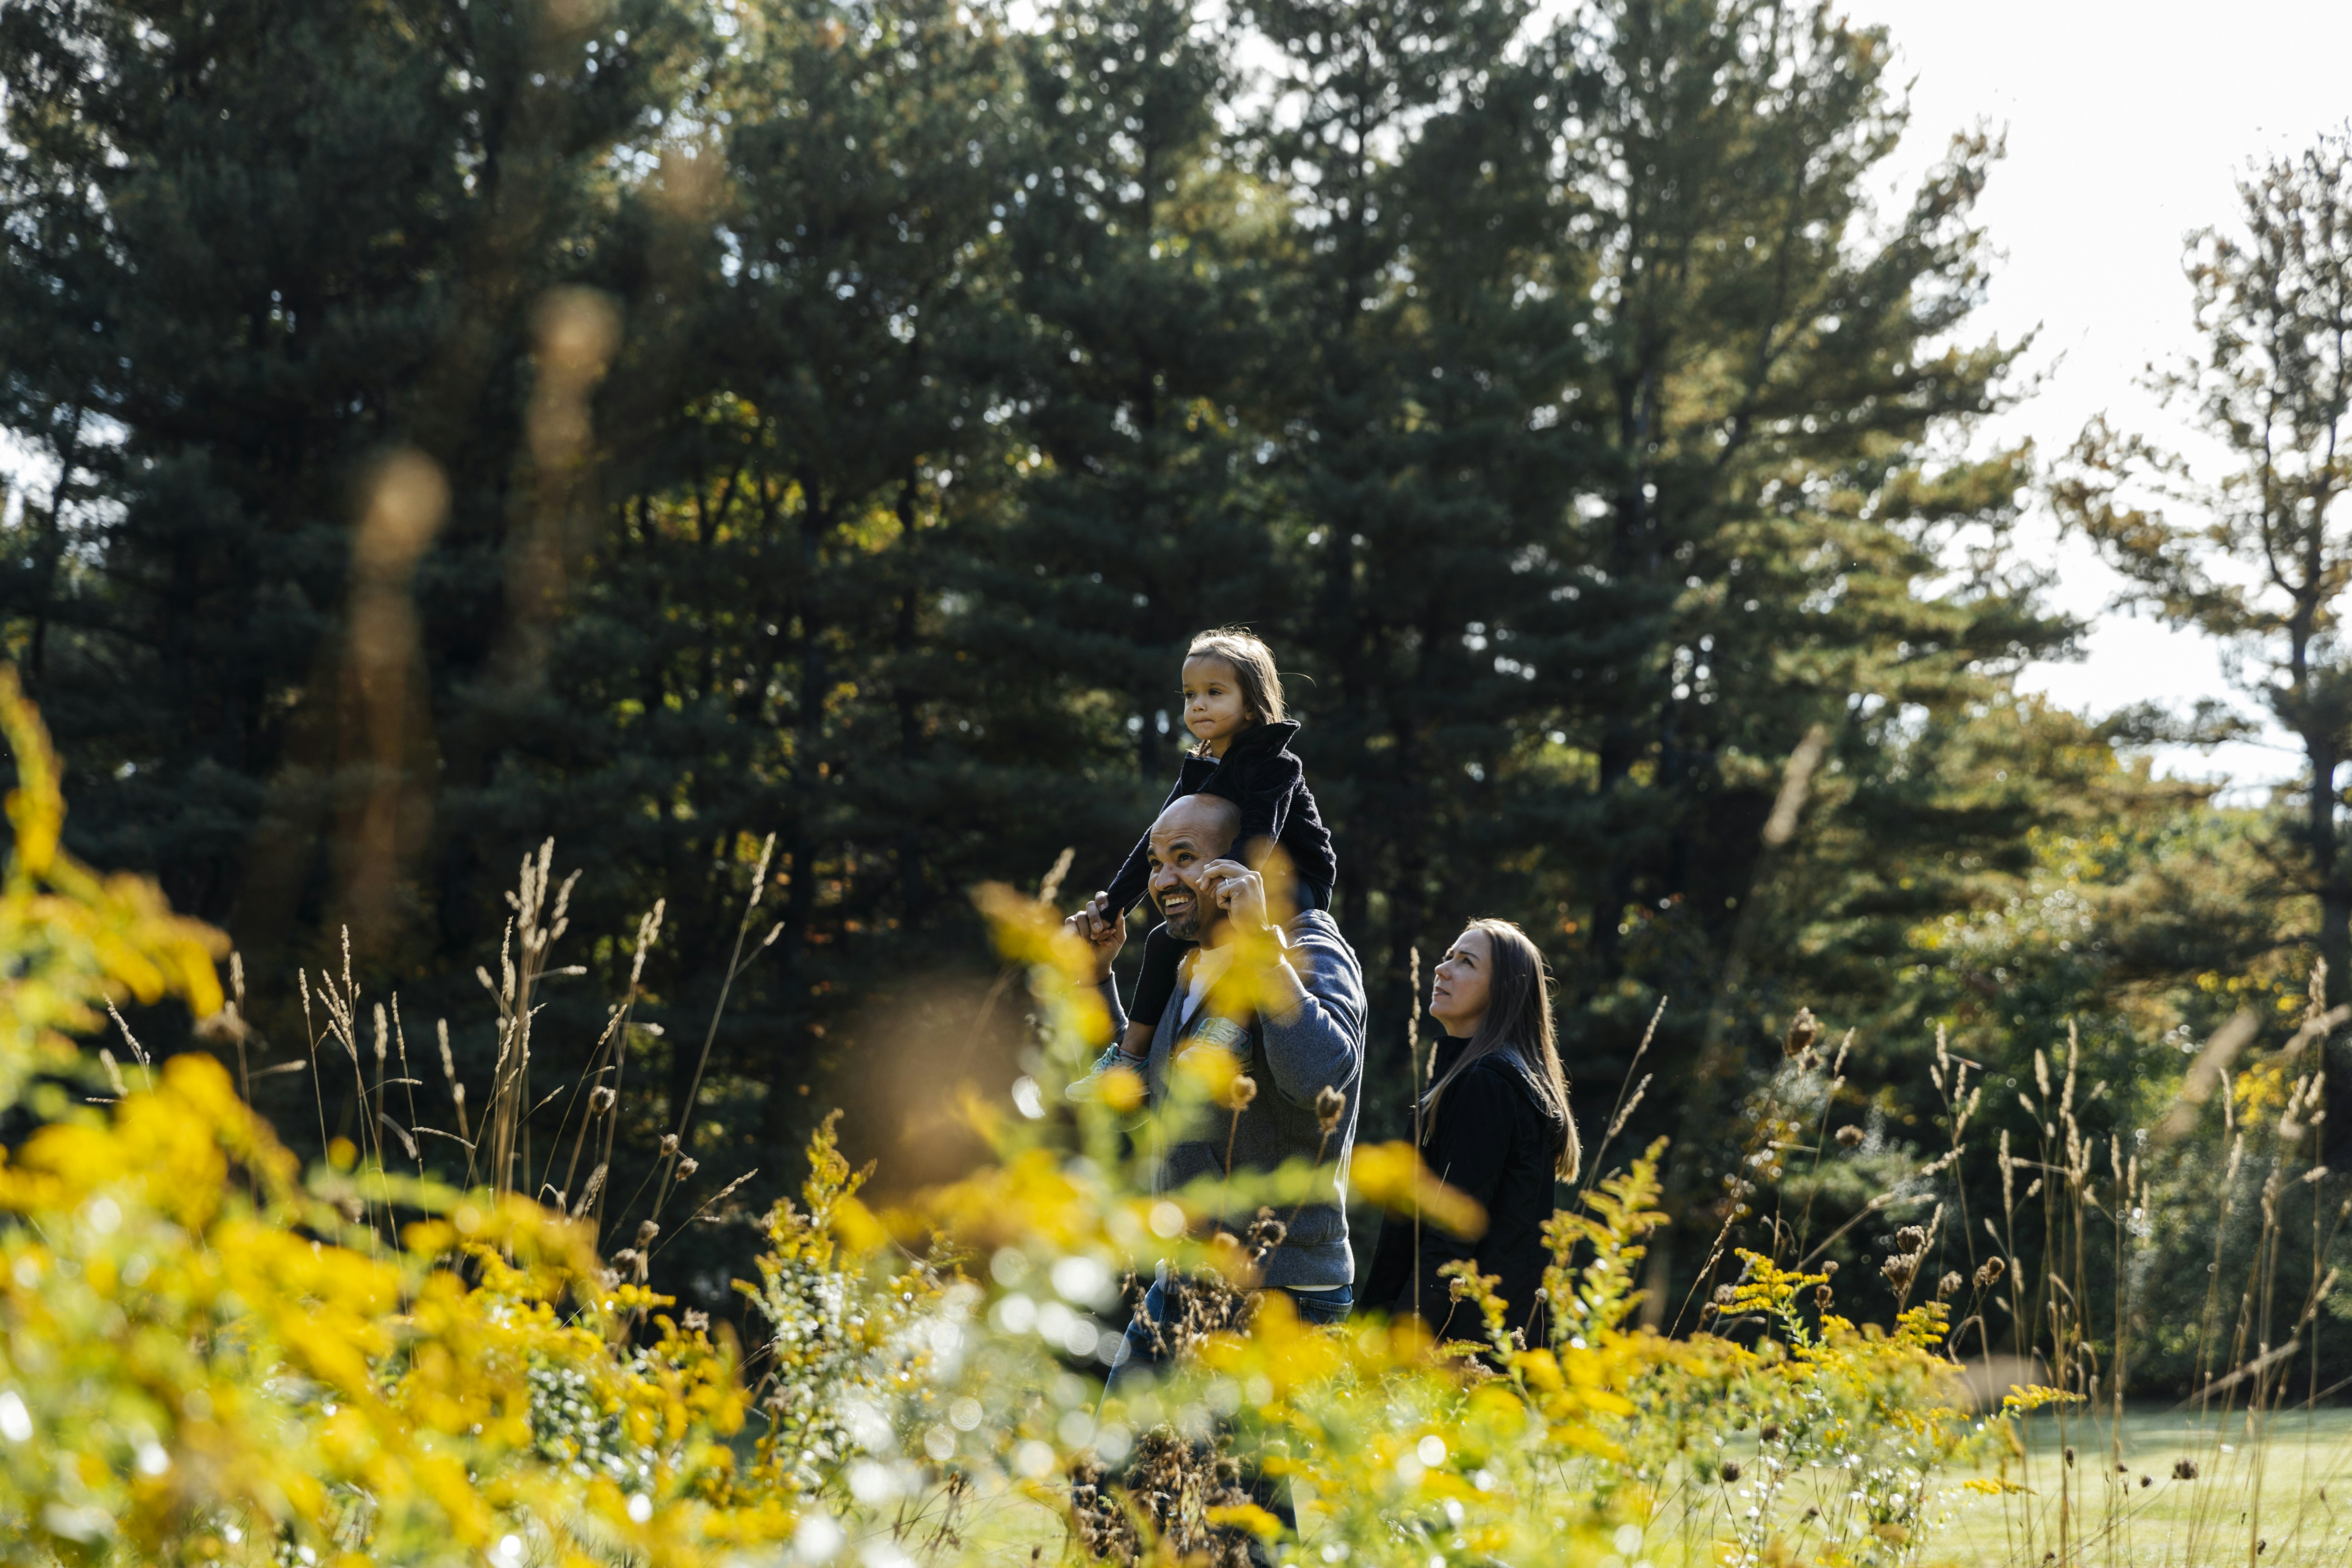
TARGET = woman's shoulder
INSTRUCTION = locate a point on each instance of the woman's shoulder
(1496, 1068)
(1501, 1076)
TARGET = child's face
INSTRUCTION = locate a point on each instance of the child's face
(1213, 699)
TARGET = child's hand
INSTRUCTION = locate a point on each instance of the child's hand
(1101, 929)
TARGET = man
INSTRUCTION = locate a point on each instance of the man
(1306, 1038)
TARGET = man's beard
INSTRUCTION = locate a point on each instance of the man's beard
(1185, 927)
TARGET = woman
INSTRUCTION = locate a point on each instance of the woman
(1496, 1125)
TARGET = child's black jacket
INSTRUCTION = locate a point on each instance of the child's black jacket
(1258, 773)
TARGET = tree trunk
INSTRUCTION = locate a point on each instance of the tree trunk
(906, 645)
(2323, 842)
(801, 837)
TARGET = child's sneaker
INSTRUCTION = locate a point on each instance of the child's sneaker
(1116, 1079)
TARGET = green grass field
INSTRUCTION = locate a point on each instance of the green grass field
(2282, 1502)
(2282, 1496)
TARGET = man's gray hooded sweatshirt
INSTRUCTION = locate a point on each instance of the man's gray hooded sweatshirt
(1293, 1058)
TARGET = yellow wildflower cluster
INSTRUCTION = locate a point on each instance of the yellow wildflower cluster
(209, 1356)
(77, 943)
(203, 1358)
(1609, 1441)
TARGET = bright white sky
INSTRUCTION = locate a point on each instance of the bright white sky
(2127, 122)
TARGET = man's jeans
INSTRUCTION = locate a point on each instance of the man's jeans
(1143, 1346)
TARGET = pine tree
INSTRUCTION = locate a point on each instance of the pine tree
(1764, 386)
(667, 427)
(2260, 555)
(252, 249)
(1420, 328)
(1142, 519)
(777, 635)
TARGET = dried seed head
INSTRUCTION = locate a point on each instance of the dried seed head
(1730, 1471)
(1240, 1092)
(1266, 1232)
(668, 1144)
(1910, 1238)
(2184, 1469)
(601, 1099)
(646, 1232)
(2070, 1455)
(225, 1027)
(1898, 1270)
(588, 1193)
(1823, 1295)
(1769, 1432)
(1330, 1106)
(1803, 1030)
(1829, 1268)
(1949, 1286)
(1725, 1295)
(688, 1167)
(1849, 1136)
(1990, 1273)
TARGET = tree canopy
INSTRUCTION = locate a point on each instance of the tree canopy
(779, 449)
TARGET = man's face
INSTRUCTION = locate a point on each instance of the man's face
(1189, 834)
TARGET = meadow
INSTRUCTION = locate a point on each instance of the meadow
(2301, 1456)
(214, 1355)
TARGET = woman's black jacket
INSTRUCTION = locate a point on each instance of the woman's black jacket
(1494, 1140)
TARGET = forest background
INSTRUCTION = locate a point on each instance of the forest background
(778, 450)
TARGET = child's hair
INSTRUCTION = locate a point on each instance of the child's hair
(1253, 669)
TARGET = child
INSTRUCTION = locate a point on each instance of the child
(1232, 706)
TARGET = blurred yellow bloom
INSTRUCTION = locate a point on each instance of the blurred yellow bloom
(1247, 1516)
(1394, 1176)
(74, 940)
(1122, 1089)
(1211, 1069)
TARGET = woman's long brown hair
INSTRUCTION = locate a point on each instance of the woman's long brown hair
(1518, 1021)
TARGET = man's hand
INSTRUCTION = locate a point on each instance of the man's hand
(1236, 890)
(1103, 930)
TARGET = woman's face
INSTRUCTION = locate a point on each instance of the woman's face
(1460, 990)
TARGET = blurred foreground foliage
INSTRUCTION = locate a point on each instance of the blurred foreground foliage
(211, 1356)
